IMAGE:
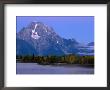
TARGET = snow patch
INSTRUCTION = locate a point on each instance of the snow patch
(35, 27)
(34, 33)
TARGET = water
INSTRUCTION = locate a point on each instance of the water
(34, 68)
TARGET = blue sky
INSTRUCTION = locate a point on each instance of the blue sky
(80, 28)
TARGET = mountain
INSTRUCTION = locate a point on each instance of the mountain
(40, 39)
(44, 40)
(23, 48)
(86, 49)
(91, 44)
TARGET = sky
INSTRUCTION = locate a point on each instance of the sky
(80, 28)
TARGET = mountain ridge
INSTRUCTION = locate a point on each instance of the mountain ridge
(45, 41)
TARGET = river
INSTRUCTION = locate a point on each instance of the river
(34, 68)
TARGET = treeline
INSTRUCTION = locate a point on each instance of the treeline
(67, 59)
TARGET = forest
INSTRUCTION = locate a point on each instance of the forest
(66, 59)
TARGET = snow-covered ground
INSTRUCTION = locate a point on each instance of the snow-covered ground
(33, 68)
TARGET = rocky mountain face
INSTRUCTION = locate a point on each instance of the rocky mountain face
(24, 48)
(40, 39)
